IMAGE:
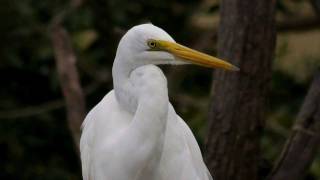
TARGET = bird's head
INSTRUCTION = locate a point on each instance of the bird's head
(148, 44)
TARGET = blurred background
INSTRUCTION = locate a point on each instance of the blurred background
(35, 142)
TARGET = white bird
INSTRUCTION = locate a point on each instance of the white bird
(134, 133)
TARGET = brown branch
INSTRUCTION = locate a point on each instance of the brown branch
(69, 79)
(301, 146)
(299, 24)
(67, 72)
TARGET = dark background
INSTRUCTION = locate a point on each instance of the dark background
(35, 142)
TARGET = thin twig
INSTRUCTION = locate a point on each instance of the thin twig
(46, 107)
(32, 110)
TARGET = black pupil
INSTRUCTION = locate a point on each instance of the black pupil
(152, 44)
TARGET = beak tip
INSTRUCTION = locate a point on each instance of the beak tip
(234, 68)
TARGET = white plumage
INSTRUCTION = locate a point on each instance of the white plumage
(134, 133)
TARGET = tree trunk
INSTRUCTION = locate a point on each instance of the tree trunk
(301, 146)
(246, 37)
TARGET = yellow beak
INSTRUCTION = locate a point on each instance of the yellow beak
(194, 56)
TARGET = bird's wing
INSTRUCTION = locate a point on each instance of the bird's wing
(109, 143)
(98, 124)
(85, 149)
(195, 151)
(86, 144)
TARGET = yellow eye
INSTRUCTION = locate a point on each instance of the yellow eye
(152, 43)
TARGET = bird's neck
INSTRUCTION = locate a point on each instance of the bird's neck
(133, 84)
(143, 92)
(122, 87)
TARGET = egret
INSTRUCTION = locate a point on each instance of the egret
(134, 133)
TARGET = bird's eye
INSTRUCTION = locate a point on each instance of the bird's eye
(152, 43)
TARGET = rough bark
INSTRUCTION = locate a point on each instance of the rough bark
(246, 37)
(301, 146)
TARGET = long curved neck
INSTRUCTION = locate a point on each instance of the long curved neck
(143, 92)
(133, 85)
(121, 71)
